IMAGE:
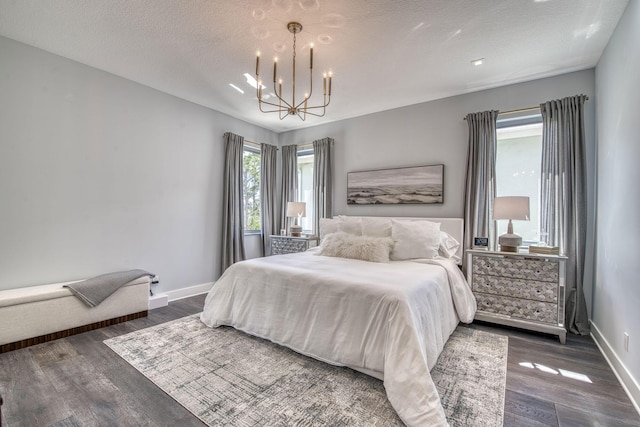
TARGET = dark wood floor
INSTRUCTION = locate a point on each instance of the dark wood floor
(78, 381)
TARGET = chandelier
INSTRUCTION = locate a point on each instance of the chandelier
(294, 107)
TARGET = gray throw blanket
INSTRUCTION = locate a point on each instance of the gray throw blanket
(95, 290)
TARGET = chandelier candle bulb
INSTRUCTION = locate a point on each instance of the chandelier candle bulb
(329, 85)
(275, 68)
(258, 64)
(324, 85)
(311, 57)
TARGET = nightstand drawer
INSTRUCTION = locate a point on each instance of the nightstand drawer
(538, 311)
(288, 246)
(519, 268)
(517, 288)
(281, 245)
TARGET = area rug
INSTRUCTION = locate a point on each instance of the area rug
(226, 377)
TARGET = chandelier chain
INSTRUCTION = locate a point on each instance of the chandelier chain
(294, 46)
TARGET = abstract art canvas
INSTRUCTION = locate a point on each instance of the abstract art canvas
(418, 184)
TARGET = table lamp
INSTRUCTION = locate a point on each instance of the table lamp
(296, 210)
(510, 207)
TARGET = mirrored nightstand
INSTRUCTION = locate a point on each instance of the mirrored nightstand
(288, 244)
(518, 289)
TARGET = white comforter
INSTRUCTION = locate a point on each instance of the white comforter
(390, 320)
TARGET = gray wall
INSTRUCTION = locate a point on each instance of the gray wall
(435, 132)
(429, 133)
(98, 174)
(617, 292)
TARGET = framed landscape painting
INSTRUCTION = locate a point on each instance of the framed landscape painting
(419, 184)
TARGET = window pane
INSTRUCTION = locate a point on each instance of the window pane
(305, 187)
(518, 159)
(251, 181)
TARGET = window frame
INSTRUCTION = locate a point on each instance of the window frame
(303, 151)
(254, 148)
(511, 120)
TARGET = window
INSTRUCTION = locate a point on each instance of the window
(251, 189)
(518, 157)
(305, 185)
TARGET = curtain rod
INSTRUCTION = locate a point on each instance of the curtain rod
(300, 146)
(520, 110)
(257, 145)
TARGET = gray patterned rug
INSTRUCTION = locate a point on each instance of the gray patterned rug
(225, 377)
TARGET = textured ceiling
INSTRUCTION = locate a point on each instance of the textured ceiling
(383, 53)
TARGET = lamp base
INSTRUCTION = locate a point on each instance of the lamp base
(509, 242)
(296, 230)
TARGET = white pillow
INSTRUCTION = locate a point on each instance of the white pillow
(376, 227)
(448, 246)
(345, 245)
(415, 239)
(328, 226)
(350, 225)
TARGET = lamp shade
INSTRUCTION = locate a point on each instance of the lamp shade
(511, 207)
(296, 209)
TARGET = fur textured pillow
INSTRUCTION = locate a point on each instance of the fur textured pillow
(345, 245)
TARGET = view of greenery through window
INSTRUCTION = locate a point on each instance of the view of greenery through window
(251, 180)
(251, 189)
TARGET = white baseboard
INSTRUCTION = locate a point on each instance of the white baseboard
(629, 383)
(158, 300)
(189, 291)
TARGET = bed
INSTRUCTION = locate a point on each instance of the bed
(387, 319)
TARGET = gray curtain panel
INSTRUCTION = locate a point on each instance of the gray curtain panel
(289, 182)
(232, 211)
(268, 219)
(322, 181)
(480, 188)
(563, 215)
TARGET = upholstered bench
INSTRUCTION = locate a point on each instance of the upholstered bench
(37, 314)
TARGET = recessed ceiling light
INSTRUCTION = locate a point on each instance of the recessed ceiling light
(477, 62)
(236, 88)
